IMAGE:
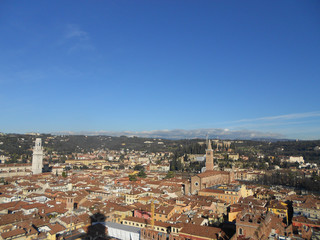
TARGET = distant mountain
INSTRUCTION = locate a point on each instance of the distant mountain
(216, 133)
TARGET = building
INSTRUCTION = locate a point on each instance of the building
(121, 231)
(309, 208)
(208, 178)
(233, 156)
(279, 208)
(294, 159)
(257, 226)
(37, 157)
(195, 232)
(3, 158)
(247, 204)
(228, 193)
(15, 169)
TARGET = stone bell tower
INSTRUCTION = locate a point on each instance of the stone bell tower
(209, 157)
(37, 157)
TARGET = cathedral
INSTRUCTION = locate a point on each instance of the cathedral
(208, 178)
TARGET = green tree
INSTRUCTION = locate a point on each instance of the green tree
(170, 174)
(142, 174)
(138, 167)
(176, 165)
(84, 167)
(133, 177)
(64, 174)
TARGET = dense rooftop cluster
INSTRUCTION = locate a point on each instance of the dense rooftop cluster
(129, 194)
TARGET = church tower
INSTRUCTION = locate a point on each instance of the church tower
(37, 157)
(209, 157)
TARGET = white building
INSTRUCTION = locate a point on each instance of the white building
(293, 159)
(3, 158)
(37, 157)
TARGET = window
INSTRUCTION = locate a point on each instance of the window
(196, 183)
(240, 231)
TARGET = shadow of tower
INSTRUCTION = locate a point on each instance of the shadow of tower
(97, 230)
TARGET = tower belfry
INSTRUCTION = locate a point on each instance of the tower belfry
(37, 157)
(209, 157)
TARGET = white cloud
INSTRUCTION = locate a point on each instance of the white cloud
(74, 31)
(182, 134)
(76, 39)
(282, 117)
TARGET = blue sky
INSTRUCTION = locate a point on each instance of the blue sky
(156, 65)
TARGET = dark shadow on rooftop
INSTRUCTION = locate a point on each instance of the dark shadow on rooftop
(97, 229)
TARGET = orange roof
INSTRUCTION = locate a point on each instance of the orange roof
(211, 173)
(13, 233)
(201, 231)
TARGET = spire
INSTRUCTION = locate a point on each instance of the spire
(209, 157)
(209, 145)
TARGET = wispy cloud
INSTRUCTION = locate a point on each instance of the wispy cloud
(275, 124)
(74, 31)
(76, 39)
(282, 117)
(287, 124)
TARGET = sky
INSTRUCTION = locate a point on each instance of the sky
(123, 65)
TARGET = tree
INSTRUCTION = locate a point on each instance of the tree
(107, 167)
(138, 167)
(133, 177)
(84, 167)
(175, 165)
(142, 174)
(170, 174)
(64, 174)
(63, 159)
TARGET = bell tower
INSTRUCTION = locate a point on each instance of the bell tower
(37, 157)
(209, 157)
